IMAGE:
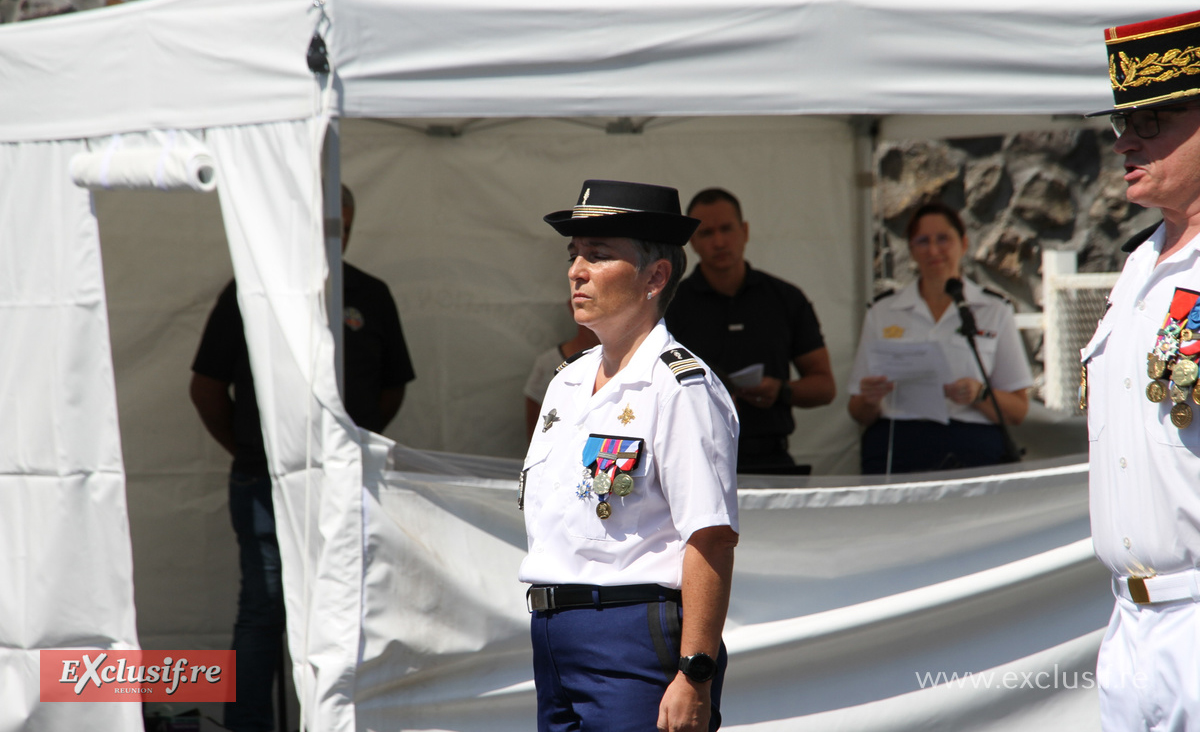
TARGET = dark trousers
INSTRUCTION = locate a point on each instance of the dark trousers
(258, 630)
(920, 445)
(606, 669)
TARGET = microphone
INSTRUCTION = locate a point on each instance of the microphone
(954, 288)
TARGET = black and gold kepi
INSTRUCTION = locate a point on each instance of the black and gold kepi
(610, 208)
(1154, 63)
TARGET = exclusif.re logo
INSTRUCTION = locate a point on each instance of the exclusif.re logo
(92, 675)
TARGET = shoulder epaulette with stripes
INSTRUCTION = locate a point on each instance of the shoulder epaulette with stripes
(880, 296)
(570, 358)
(994, 293)
(682, 364)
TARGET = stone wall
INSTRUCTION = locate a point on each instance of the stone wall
(12, 11)
(1019, 195)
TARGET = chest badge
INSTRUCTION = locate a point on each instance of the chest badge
(354, 318)
(607, 463)
(1172, 364)
(893, 331)
(626, 416)
(549, 419)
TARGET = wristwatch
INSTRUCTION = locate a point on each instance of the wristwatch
(699, 667)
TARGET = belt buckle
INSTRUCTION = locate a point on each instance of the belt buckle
(539, 598)
(1137, 590)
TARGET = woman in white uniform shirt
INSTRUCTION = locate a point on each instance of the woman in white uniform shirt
(900, 442)
(629, 487)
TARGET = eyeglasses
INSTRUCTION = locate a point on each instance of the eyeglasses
(1143, 121)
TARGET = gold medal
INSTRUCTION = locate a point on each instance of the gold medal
(1184, 372)
(1177, 395)
(1155, 391)
(1155, 367)
(601, 485)
(1181, 415)
(1083, 387)
(1196, 394)
(622, 485)
(603, 510)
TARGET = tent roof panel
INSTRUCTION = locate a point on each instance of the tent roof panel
(156, 64)
(466, 58)
(197, 63)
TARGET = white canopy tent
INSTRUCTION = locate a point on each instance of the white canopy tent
(234, 75)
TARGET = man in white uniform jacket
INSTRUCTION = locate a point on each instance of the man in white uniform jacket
(1140, 391)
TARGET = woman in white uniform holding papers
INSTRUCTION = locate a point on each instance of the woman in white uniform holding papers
(629, 488)
(900, 441)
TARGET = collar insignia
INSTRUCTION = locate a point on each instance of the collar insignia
(626, 416)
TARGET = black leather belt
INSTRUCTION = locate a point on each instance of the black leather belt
(562, 597)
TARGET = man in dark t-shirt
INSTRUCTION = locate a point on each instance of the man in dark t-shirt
(377, 368)
(735, 318)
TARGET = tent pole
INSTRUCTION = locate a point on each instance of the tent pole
(331, 177)
(866, 139)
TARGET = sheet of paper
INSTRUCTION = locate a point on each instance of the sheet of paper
(919, 370)
(752, 375)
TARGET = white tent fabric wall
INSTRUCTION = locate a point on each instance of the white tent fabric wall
(271, 201)
(844, 599)
(65, 562)
(152, 65)
(455, 227)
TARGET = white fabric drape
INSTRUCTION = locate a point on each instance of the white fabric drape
(162, 64)
(468, 58)
(66, 571)
(271, 201)
(847, 603)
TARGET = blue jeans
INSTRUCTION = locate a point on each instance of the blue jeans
(258, 630)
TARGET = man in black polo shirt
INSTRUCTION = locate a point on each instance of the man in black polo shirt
(377, 370)
(735, 317)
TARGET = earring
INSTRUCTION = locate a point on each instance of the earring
(649, 295)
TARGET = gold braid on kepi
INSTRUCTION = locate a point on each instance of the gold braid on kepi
(613, 208)
(1154, 63)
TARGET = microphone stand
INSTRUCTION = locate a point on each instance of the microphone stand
(968, 330)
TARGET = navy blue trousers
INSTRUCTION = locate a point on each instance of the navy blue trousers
(606, 669)
(919, 445)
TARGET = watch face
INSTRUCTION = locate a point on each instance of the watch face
(700, 667)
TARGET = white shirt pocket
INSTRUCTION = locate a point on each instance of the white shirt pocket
(532, 482)
(626, 511)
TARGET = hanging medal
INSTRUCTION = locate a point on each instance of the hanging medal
(1172, 364)
(608, 461)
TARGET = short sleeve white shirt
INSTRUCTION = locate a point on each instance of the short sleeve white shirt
(685, 478)
(1144, 475)
(905, 316)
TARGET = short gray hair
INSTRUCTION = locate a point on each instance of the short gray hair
(649, 252)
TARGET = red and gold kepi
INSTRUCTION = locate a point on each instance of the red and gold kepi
(1154, 63)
